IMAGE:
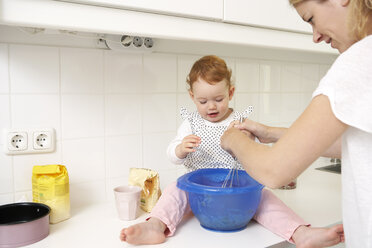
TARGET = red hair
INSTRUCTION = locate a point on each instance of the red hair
(211, 69)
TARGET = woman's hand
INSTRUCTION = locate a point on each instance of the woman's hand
(188, 144)
(228, 137)
(265, 134)
(234, 124)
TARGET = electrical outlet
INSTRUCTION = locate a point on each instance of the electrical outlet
(137, 41)
(127, 43)
(42, 140)
(17, 141)
(23, 141)
(149, 43)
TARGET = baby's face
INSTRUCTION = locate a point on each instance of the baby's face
(212, 101)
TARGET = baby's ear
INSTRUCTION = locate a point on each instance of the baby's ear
(231, 92)
(191, 94)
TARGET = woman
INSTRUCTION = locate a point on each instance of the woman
(338, 121)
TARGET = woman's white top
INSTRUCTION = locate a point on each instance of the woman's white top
(348, 85)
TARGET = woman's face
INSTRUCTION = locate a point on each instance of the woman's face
(212, 101)
(329, 21)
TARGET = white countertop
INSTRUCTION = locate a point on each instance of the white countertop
(317, 199)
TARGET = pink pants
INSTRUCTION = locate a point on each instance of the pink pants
(272, 213)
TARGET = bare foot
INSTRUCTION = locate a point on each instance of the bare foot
(145, 233)
(314, 237)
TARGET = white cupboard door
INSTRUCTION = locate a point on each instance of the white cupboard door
(276, 14)
(205, 9)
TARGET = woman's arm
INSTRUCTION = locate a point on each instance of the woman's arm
(300, 145)
(267, 134)
(334, 151)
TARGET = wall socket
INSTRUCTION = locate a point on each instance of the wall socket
(25, 141)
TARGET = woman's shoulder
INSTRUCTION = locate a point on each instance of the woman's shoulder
(355, 61)
(360, 50)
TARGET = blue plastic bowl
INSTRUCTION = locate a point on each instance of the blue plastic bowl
(221, 209)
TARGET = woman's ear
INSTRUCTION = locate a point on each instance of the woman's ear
(231, 92)
(345, 3)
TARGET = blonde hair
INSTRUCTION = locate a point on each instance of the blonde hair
(359, 16)
(210, 68)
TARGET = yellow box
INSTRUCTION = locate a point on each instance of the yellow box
(50, 185)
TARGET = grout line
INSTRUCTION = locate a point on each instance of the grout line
(60, 105)
(105, 167)
(177, 93)
(10, 120)
(142, 113)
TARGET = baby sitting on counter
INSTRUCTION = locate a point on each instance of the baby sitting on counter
(211, 90)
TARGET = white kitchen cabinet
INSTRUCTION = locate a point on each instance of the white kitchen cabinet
(93, 18)
(205, 9)
(276, 14)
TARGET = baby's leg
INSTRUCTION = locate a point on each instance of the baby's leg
(273, 214)
(149, 232)
(313, 237)
(277, 217)
(164, 218)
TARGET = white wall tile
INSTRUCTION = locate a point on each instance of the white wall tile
(167, 177)
(120, 110)
(4, 115)
(159, 113)
(84, 194)
(84, 159)
(81, 70)
(247, 76)
(4, 69)
(112, 183)
(160, 73)
(310, 77)
(6, 173)
(270, 76)
(290, 107)
(23, 164)
(290, 77)
(184, 101)
(243, 100)
(82, 116)
(123, 114)
(155, 151)
(122, 153)
(230, 63)
(6, 199)
(269, 111)
(34, 111)
(123, 72)
(22, 196)
(184, 65)
(305, 99)
(323, 69)
(34, 69)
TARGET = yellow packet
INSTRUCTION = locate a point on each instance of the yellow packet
(148, 180)
(50, 185)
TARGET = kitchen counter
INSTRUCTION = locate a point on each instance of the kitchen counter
(317, 199)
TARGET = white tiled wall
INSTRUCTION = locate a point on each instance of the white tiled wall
(112, 111)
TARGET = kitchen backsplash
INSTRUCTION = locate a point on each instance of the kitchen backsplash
(114, 110)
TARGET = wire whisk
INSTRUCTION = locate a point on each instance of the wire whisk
(234, 171)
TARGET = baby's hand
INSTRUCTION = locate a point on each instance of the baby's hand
(188, 144)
